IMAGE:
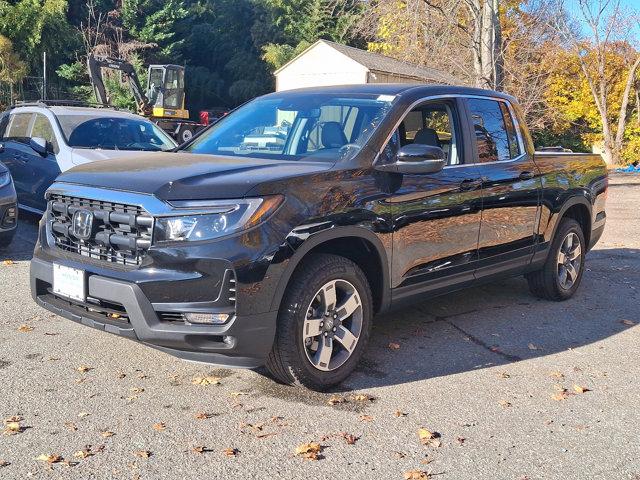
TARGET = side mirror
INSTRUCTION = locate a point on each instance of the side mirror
(39, 145)
(416, 159)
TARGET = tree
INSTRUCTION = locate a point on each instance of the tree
(609, 26)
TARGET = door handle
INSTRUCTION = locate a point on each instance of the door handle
(471, 184)
(526, 175)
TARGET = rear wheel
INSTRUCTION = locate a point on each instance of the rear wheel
(562, 272)
(323, 325)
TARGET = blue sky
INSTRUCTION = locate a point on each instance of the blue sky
(627, 4)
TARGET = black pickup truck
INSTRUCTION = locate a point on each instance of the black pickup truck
(277, 234)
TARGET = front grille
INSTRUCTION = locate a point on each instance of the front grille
(121, 233)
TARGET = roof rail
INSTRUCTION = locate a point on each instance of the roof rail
(60, 103)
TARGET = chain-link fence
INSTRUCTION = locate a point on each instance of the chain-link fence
(31, 89)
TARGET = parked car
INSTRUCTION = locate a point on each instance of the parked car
(38, 142)
(381, 195)
(8, 207)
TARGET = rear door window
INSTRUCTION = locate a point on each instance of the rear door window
(491, 135)
(18, 129)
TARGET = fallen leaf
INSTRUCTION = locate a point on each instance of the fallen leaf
(309, 451)
(135, 390)
(580, 389)
(159, 427)
(429, 438)
(461, 440)
(70, 426)
(349, 438)
(557, 375)
(49, 458)
(504, 375)
(107, 434)
(400, 454)
(366, 418)
(362, 397)
(230, 452)
(238, 394)
(142, 453)
(335, 400)
(394, 346)
(12, 428)
(121, 375)
(199, 449)
(504, 403)
(83, 414)
(25, 328)
(84, 369)
(416, 475)
(204, 381)
(628, 323)
(7, 262)
(398, 413)
(4, 463)
(83, 453)
(203, 415)
(560, 396)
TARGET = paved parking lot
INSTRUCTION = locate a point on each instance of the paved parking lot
(512, 387)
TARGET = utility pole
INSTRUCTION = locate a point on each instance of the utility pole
(44, 75)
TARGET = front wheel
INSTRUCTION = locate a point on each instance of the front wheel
(323, 325)
(562, 272)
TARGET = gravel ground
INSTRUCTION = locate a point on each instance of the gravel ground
(484, 368)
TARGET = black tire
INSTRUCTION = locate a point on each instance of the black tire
(546, 283)
(185, 133)
(288, 361)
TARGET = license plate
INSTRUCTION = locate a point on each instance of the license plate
(69, 282)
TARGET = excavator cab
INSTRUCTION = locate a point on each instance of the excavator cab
(165, 91)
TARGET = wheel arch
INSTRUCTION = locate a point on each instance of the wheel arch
(579, 209)
(357, 244)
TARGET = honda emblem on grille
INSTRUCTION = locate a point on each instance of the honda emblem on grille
(82, 224)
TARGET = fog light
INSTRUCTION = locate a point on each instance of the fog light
(207, 318)
(10, 217)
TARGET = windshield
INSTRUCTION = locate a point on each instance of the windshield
(114, 133)
(314, 127)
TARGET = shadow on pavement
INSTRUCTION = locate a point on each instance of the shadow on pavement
(21, 248)
(500, 323)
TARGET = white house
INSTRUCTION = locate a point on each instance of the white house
(329, 63)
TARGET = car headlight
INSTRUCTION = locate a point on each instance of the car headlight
(5, 179)
(219, 218)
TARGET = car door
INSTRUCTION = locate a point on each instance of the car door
(43, 169)
(435, 217)
(510, 189)
(16, 152)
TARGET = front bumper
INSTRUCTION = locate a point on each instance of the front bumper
(245, 341)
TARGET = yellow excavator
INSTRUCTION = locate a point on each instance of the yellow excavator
(163, 102)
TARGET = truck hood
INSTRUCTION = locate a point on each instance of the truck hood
(187, 176)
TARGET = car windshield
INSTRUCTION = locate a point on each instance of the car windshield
(296, 126)
(114, 133)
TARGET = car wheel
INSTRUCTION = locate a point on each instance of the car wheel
(562, 272)
(323, 325)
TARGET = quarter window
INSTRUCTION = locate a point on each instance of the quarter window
(495, 136)
(42, 129)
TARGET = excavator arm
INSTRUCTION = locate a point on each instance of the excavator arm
(96, 64)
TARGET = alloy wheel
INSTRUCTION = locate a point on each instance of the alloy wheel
(569, 261)
(333, 325)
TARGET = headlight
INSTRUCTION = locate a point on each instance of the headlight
(219, 218)
(5, 179)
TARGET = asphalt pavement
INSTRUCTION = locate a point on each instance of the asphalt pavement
(487, 383)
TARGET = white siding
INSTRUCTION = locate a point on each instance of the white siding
(320, 66)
